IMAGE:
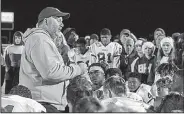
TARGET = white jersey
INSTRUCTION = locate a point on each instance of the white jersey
(145, 92)
(127, 104)
(15, 103)
(109, 54)
(75, 56)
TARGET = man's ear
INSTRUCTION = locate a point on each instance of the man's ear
(45, 21)
(110, 36)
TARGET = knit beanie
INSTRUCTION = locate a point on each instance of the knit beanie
(168, 40)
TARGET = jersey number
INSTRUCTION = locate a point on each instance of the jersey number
(101, 57)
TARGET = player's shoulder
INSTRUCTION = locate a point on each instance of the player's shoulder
(97, 44)
(145, 87)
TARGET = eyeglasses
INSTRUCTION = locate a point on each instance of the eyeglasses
(95, 72)
(59, 19)
(164, 82)
(126, 34)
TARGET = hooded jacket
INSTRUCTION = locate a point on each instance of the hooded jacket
(43, 70)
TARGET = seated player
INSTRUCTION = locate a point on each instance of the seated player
(80, 52)
(172, 103)
(115, 92)
(165, 69)
(106, 51)
(97, 76)
(88, 104)
(143, 90)
(178, 82)
(19, 100)
(21, 91)
(78, 88)
(163, 77)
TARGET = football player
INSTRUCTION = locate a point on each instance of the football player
(80, 52)
(143, 90)
(106, 51)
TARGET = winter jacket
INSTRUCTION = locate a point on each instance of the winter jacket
(146, 67)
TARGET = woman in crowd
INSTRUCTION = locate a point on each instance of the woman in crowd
(12, 60)
(166, 52)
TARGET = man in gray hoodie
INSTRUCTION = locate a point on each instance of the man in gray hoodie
(42, 68)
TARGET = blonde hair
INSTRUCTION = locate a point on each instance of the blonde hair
(160, 54)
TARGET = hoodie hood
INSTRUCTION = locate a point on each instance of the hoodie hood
(29, 32)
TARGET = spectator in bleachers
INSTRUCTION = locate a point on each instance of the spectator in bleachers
(125, 33)
(127, 58)
(94, 38)
(2, 67)
(78, 88)
(138, 47)
(71, 36)
(116, 38)
(62, 48)
(166, 52)
(159, 34)
(87, 38)
(180, 52)
(12, 61)
(146, 64)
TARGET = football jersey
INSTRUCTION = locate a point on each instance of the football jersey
(145, 92)
(127, 104)
(75, 56)
(109, 54)
(15, 103)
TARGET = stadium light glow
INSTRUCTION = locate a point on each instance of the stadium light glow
(7, 17)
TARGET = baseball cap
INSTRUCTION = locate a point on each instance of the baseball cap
(68, 30)
(51, 11)
(125, 31)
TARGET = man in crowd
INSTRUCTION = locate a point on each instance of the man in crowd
(97, 77)
(143, 90)
(78, 88)
(93, 38)
(106, 51)
(42, 67)
(71, 36)
(80, 52)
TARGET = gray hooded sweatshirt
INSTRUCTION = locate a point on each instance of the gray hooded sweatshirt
(42, 69)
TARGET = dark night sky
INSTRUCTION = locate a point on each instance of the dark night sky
(142, 17)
